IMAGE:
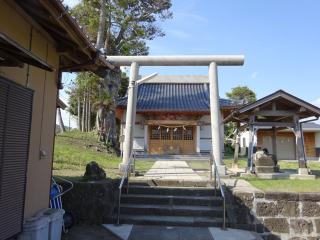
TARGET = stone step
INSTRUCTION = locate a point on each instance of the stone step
(171, 220)
(173, 191)
(171, 199)
(171, 210)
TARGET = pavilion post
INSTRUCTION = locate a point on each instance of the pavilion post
(128, 134)
(299, 147)
(216, 144)
(274, 142)
(237, 147)
(250, 148)
(251, 143)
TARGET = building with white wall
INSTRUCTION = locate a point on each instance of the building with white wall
(173, 115)
(286, 147)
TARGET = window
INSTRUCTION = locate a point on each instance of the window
(155, 133)
(165, 133)
(178, 133)
(171, 133)
(188, 133)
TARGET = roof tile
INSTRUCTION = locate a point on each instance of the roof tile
(188, 97)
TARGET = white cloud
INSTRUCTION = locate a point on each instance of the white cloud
(192, 17)
(316, 102)
(71, 3)
(254, 75)
(178, 33)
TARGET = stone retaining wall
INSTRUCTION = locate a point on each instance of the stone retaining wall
(294, 216)
(92, 202)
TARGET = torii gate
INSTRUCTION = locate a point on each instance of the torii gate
(213, 61)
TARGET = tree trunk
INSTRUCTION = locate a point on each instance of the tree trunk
(112, 78)
(106, 42)
(62, 128)
(79, 114)
(102, 24)
(86, 113)
(89, 112)
(83, 113)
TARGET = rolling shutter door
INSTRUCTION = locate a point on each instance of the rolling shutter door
(15, 122)
(267, 143)
(286, 148)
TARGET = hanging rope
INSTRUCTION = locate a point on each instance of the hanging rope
(174, 126)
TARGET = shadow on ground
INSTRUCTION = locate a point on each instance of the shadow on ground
(88, 232)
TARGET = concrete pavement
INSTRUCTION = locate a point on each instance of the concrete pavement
(151, 232)
(171, 170)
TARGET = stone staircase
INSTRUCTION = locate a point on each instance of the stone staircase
(171, 206)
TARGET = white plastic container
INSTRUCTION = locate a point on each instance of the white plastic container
(55, 222)
(35, 228)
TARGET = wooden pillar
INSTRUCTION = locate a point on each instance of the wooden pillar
(274, 142)
(303, 144)
(251, 140)
(236, 146)
(299, 143)
(250, 149)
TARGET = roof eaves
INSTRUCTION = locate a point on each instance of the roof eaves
(260, 101)
(303, 103)
(63, 16)
(285, 95)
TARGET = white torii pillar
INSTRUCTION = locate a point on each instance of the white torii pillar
(213, 61)
(130, 116)
(216, 144)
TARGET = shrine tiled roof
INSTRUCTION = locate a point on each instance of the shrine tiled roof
(175, 97)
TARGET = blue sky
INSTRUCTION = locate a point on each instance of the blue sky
(280, 41)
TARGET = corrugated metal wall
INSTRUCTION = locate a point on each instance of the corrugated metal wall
(15, 121)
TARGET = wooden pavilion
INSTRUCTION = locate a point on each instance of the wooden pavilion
(277, 111)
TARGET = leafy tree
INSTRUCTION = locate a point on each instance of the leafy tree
(119, 27)
(83, 99)
(231, 129)
(127, 23)
(242, 93)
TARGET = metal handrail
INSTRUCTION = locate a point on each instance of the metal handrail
(65, 191)
(217, 177)
(125, 175)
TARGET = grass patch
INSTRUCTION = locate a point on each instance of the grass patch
(73, 150)
(228, 161)
(283, 185)
(286, 185)
(199, 165)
